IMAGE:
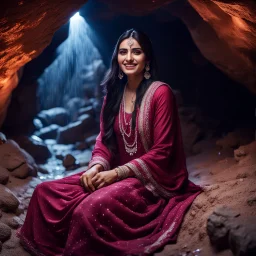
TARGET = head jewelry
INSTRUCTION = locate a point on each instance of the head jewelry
(130, 40)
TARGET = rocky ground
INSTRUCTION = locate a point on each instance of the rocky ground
(228, 178)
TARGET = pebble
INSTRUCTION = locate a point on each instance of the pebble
(193, 213)
(199, 205)
(251, 201)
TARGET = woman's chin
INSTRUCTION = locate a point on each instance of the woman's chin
(131, 73)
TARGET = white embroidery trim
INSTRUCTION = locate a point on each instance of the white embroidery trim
(99, 160)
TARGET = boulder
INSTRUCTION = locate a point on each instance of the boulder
(218, 226)
(73, 105)
(48, 132)
(8, 201)
(56, 115)
(5, 232)
(35, 147)
(76, 131)
(4, 175)
(226, 229)
(12, 157)
(13, 222)
(242, 240)
(22, 172)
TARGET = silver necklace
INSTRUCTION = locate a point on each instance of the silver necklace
(129, 148)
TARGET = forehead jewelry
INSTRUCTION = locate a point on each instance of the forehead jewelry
(130, 40)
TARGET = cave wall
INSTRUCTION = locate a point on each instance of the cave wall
(224, 31)
(27, 27)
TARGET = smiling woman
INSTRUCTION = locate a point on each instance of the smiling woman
(132, 198)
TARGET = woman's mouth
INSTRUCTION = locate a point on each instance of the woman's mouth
(130, 66)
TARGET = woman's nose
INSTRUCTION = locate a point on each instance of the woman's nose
(129, 56)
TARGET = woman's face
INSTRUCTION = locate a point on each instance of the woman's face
(131, 58)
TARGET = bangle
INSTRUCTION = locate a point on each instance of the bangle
(116, 170)
(122, 172)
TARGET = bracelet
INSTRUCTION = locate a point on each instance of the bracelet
(122, 172)
(116, 170)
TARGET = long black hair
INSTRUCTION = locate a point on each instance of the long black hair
(114, 87)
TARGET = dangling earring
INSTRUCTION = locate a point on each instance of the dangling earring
(121, 74)
(147, 75)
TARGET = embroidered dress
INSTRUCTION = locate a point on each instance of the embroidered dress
(134, 216)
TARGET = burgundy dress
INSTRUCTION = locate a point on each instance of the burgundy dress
(134, 216)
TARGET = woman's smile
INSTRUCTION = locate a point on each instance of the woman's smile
(130, 66)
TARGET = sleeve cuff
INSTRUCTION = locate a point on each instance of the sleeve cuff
(100, 160)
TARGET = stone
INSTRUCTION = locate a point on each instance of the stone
(87, 110)
(56, 115)
(76, 131)
(8, 201)
(217, 229)
(219, 224)
(5, 232)
(12, 243)
(73, 106)
(68, 160)
(193, 213)
(251, 201)
(4, 175)
(37, 123)
(37, 148)
(13, 222)
(198, 204)
(21, 172)
(12, 157)
(48, 132)
(242, 239)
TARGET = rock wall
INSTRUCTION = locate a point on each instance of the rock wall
(27, 27)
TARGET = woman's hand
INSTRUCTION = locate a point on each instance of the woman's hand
(103, 179)
(86, 177)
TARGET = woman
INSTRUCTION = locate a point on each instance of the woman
(135, 192)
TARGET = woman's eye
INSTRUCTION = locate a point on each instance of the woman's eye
(137, 52)
(122, 52)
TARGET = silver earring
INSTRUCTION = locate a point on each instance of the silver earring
(147, 75)
(121, 74)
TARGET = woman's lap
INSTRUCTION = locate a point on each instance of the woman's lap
(114, 212)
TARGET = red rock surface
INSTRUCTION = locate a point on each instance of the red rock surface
(27, 27)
